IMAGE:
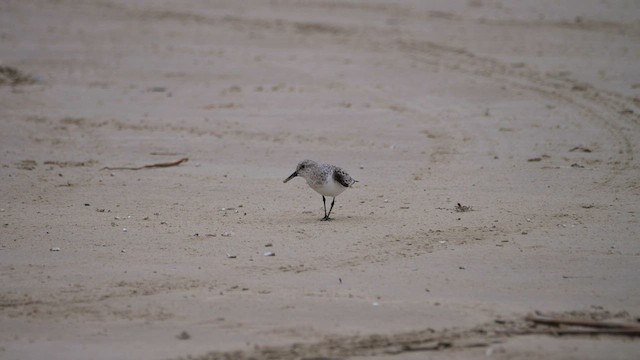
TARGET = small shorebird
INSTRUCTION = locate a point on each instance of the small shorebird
(327, 180)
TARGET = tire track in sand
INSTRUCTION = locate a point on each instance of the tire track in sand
(611, 111)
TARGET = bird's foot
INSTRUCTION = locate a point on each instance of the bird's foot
(326, 218)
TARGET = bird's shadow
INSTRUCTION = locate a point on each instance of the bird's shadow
(313, 220)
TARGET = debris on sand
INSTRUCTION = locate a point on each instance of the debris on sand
(463, 208)
(11, 76)
(183, 336)
(64, 164)
(151, 166)
(539, 158)
(580, 148)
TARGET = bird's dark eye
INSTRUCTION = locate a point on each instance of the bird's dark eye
(301, 166)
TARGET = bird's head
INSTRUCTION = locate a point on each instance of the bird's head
(304, 169)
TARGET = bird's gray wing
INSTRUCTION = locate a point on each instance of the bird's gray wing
(343, 178)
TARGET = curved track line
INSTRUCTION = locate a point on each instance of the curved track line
(603, 108)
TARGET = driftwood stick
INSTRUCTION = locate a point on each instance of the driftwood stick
(570, 331)
(601, 331)
(158, 165)
(547, 320)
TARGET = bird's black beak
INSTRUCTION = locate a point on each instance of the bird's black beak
(295, 173)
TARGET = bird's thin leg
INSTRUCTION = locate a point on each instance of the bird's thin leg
(331, 208)
(324, 202)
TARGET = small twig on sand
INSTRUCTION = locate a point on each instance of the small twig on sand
(158, 165)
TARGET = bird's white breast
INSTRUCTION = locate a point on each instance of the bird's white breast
(329, 188)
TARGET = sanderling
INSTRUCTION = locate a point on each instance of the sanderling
(327, 180)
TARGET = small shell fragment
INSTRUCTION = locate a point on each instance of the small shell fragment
(227, 234)
(54, 249)
(229, 256)
(269, 253)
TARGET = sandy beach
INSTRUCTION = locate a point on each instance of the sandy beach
(496, 145)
